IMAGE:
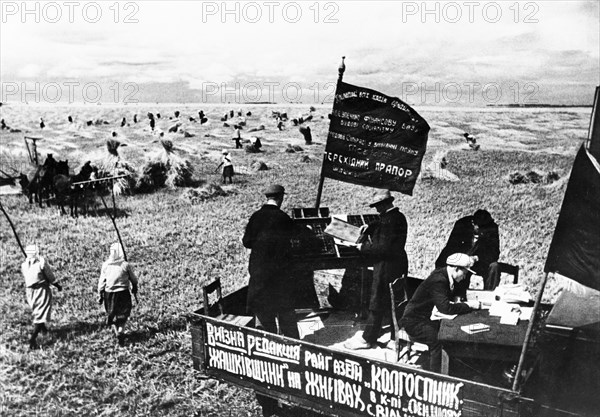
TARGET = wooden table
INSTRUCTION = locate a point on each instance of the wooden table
(502, 342)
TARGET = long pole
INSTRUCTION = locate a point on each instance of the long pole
(115, 226)
(118, 236)
(341, 70)
(112, 191)
(13, 229)
(536, 306)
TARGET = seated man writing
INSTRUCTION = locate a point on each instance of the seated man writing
(438, 290)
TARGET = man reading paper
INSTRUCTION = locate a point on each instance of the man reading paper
(385, 244)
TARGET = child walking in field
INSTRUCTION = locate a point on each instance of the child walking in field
(116, 277)
(38, 277)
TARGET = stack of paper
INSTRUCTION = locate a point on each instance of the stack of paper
(512, 293)
(475, 328)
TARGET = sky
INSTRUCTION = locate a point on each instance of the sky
(463, 53)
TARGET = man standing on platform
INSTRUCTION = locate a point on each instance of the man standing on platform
(268, 236)
(438, 290)
(385, 244)
(478, 237)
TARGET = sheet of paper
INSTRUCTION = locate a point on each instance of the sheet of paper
(309, 326)
(511, 318)
(436, 315)
(526, 313)
(486, 297)
(501, 308)
(342, 230)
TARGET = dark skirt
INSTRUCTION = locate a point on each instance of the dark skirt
(228, 171)
(117, 306)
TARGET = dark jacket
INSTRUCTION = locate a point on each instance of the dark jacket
(434, 291)
(268, 234)
(386, 247)
(487, 247)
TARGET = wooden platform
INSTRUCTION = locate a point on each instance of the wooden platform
(333, 328)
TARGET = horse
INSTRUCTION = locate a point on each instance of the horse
(67, 193)
(40, 187)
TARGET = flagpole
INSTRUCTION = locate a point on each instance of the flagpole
(13, 229)
(341, 70)
(529, 331)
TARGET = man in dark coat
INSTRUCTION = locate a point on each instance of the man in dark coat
(438, 290)
(478, 237)
(268, 235)
(385, 244)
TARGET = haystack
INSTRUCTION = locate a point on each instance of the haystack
(206, 192)
(259, 166)
(165, 168)
(113, 165)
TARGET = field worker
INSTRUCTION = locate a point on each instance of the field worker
(385, 244)
(238, 138)
(438, 290)
(268, 235)
(38, 277)
(478, 237)
(227, 167)
(116, 277)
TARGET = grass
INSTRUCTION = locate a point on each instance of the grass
(176, 247)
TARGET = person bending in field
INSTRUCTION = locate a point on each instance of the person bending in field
(38, 278)
(116, 278)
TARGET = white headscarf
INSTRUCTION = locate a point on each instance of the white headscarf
(32, 251)
(116, 254)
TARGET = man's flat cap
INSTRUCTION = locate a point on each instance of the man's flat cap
(274, 189)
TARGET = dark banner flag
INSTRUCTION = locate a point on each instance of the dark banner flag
(374, 140)
(575, 248)
(594, 137)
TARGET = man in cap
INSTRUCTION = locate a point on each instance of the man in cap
(385, 242)
(438, 290)
(268, 236)
(477, 236)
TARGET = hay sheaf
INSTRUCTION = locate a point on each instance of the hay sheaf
(533, 177)
(206, 192)
(165, 169)
(112, 165)
(293, 149)
(259, 166)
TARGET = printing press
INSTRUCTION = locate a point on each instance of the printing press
(314, 250)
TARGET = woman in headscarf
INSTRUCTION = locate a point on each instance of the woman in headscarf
(38, 277)
(227, 167)
(116, 277)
